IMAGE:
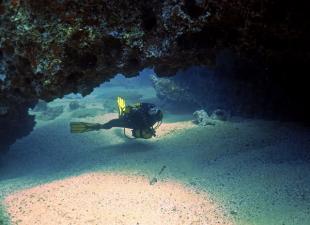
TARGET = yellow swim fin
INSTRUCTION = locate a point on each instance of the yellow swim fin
(121, 105)
(81, 127)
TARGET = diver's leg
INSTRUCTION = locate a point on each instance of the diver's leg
(113, 123)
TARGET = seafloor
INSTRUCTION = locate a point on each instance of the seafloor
(256, 171)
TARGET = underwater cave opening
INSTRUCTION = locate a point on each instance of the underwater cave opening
(219, 154)
(181, 94)
(101, 100)
(205, 140)
(234, 87)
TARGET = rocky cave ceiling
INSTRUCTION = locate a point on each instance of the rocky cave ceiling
(52, 48)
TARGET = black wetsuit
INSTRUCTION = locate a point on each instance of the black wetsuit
(137, 118)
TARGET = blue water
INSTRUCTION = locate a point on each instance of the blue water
(257, 170)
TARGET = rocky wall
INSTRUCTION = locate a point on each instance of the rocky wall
(52, 48)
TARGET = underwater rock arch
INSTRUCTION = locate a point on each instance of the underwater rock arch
(52, 48)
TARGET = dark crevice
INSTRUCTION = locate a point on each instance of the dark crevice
(149, 21)
(87, 61)
(192, 9)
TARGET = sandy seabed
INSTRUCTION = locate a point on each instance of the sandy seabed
(112, 199)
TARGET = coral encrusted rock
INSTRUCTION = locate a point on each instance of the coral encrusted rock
(52, 48)
(202, 118)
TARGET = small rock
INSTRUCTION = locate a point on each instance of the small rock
(74, 105)
(51, 113)
(220, 114)
(202, 118)
(232, 212)
(153, 181)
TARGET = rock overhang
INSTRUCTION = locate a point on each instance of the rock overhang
(52, 48)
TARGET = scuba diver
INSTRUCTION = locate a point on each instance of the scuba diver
(141, 118)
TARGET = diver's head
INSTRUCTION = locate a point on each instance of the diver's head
(156, 113)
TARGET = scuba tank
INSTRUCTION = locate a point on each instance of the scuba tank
(154, 116)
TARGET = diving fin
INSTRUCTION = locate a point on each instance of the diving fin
(81, 127)
(121, 105)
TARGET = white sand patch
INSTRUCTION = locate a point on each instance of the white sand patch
(173, 128)
(257, 170)
(110, 199)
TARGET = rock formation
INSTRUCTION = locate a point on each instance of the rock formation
(52, 48)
